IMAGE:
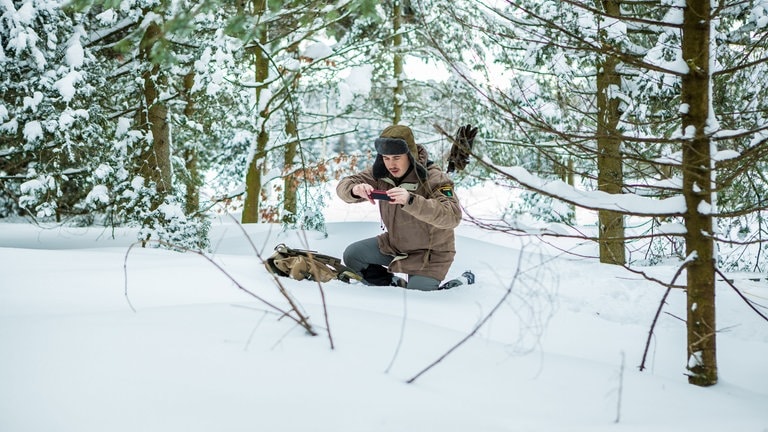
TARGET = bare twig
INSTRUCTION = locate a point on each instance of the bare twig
(322, 297)
(746, 300)
(682, 320)
(280, 340)
(653, 279)
(664, 298)
(125, 276)
(621, 388)
(325, 314)
(658, 311)
(477, 327)
(402, 331)
(250, 336)
(299, 319)
(277, 281)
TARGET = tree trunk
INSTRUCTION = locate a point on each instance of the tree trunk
(397, 44)
(697, 189)
(156, 161)
(192, 204)
(290, 183)
(252, 203)
(610, 175)
(251, 206)
(190, 152)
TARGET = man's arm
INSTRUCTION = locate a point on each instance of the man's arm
(344, 188)
(441, 208)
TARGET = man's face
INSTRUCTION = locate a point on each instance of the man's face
(397, 165)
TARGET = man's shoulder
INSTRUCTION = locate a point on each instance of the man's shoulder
(437, 176)
(440, 182)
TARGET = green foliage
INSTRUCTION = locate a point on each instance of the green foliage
(236, 26)
(275, 6)
(541, 208)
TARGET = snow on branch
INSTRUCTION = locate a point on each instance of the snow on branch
(630, 204)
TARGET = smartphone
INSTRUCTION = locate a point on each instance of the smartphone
(380, 195)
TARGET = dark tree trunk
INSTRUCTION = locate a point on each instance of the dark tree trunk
(697, 189)
(156, 161)
(397, 42)
(610, 174)
(252, 203)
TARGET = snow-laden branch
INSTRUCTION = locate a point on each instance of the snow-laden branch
(629, 204)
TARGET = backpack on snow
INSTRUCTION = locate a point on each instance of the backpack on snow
(302, 264)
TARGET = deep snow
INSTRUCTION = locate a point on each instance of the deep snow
(198, 354)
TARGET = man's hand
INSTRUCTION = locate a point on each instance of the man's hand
(363, 190)
(399, 196)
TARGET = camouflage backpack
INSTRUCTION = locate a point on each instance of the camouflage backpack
(302, 264)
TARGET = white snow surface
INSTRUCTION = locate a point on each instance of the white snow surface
(199, 354)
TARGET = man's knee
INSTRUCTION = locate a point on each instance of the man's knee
(349, 257)
(360, 254)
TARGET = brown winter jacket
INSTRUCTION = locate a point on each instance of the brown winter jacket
(419, 235)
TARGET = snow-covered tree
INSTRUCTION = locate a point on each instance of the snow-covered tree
(642, 85)
(49, 129)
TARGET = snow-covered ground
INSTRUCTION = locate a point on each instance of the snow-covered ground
(561, 353)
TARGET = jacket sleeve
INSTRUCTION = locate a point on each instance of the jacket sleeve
(344, 188)
(438, 209)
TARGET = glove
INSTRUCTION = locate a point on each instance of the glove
(462, 147)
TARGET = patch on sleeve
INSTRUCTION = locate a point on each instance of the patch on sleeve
(446, 190)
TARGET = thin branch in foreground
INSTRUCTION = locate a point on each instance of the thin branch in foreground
(402, 331)
(653, 279)
(253, 332)
(299, 319)
(280, 285)
(322, 296)
(125, 276)
(746, 300)
(325, 314)
(478, 326)
(621, 389)
(658, 311)
(681, 319)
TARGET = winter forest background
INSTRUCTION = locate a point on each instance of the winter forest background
(650, 115)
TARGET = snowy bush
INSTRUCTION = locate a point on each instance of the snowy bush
(172, 228)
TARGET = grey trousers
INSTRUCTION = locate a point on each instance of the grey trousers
(361, 254)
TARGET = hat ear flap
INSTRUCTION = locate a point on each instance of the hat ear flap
(421, 172)
(379, 169)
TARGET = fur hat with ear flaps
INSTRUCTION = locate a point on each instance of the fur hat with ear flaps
(397, 140)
